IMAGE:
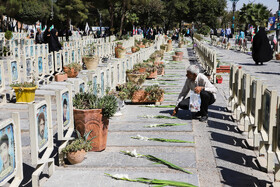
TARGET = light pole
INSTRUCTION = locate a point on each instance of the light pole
(233, 10)
(278, 24)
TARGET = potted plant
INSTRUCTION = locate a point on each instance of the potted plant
(92, 113)
(160, 68)
(219, 79)
(120, 52)
(60, 77)
(91, 60)
(25, 92)
(152, 70)
(154, 93)
(133, 49)
(72, 69)
(135, 76)
(76, 150)
(8, 35)
(180, 54)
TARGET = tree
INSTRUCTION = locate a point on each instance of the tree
(254, 14)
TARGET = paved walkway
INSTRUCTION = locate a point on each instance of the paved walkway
(218, 156)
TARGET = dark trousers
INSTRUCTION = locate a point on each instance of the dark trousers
(207, 99)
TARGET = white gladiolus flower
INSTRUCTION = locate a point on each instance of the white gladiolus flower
(142, 137)
(120, 176)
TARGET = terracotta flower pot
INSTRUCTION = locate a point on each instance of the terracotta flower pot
(142, 70)
(180, 45)
(76, 157)
(169, 47)
(71, 73)
(60, 77)
(133, 49)
(277, 56)
(152, 75)
(92, 119)
(139, 96)
(176, 58)
(169, 41)
(219, 80)
(135, 78)
(91, 62)
(180, 54)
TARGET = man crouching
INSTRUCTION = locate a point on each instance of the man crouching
(200, 84)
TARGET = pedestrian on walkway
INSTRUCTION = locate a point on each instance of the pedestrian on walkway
(200, 84)
(262, 51)
(39, 36)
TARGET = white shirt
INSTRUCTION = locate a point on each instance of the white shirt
(201, 80)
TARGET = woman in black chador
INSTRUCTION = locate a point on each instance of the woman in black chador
(262, 51)
(54, 44)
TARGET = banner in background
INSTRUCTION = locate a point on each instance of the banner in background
(271, 23)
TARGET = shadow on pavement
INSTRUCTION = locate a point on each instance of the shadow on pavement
(230, 140)
(235, 157)
(238, 179)
(222, 126)
(273, 73)
(181, 114)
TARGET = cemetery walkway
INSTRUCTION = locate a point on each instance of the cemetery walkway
(215, 152)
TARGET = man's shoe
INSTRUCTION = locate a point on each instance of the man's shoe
(197, 115)
(203, 119)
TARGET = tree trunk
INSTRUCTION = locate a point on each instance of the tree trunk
(122, 17)
(111, 12)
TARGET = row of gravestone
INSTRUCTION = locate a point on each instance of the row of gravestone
(51, 113)
(239, 44)
(207, 57)
(256, 108)
(34, 61)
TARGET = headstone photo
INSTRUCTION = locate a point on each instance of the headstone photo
(42, 126)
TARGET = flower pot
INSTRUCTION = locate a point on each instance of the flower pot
(277, 56)
(91, 62)
(169, 47)
(135, 78)
(142, 46)
(133, 49)
(169, 41)
(76, 157)
(120, 53)
(219, 80)
(92, 120)
(180, 54)
(60, 77)
(142, 70)
(139, 96)
(152, 75)
(25, 95)
(147, 45)
(180, 45)
(176, 58)
(71, 73)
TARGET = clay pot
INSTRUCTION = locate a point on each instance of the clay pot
(133, 49)
(142, 70)
(142, 46)
(169, 41)
(60, 77)
(139, 96)
(92, 119)
(135, 78)
(120, 54)
(76, 157)
(180, 54)
(176, 58)
(153, 75)
(169, 47)
(91, 62)
(180, 45)
(277, 56)
(71, 73)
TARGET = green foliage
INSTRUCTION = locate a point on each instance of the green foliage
(254, 14)
(79, 143)
(205, 30)
(24, 84)
(77, 66)
(198, 37)
(107, 103)
(154, 92)
(8, 35)
(126, 90)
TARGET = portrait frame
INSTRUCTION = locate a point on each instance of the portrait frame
(2, 77)
(57, 62)
(32, 53)
(34, 109)
(65, 130)
(50, 64)
(15, 138)
(13, 67)
(27, 68)
(65, 57)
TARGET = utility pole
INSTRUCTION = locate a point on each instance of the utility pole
(233, 18)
